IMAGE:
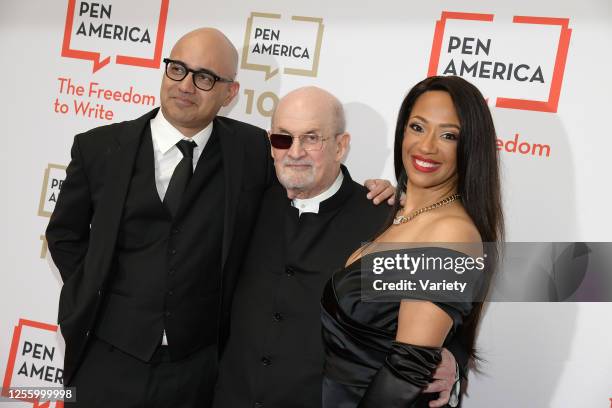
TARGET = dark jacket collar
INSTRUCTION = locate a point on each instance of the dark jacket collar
(337, 200)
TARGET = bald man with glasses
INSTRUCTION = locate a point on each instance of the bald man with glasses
(148, 231)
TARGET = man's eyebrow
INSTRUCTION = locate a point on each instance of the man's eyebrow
(205, 70)
(309, 132)
(198, 69)
(283, 130)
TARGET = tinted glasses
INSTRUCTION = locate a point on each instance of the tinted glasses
(308, 141)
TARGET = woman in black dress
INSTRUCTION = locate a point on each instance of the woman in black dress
(446, 161)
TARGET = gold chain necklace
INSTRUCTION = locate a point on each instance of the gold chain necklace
(402, 219)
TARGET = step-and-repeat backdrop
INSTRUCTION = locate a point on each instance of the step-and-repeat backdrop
(68, 66)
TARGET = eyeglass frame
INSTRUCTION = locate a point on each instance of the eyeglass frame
(215, 77)
(299, 137)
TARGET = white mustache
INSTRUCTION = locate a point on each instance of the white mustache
(288, 162)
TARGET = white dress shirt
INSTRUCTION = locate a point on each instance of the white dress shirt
(311, 205)
(166, 155)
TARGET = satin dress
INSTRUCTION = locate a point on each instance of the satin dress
(358, 336)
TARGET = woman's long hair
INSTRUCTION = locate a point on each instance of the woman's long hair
(477, 170)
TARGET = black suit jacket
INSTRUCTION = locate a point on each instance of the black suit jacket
(82, 231)
(275, 353)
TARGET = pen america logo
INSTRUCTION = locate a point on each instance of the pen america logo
(495, 56)
(131, 31)
(35, 360)
(273, 42)
(52, 183)
(276, 44)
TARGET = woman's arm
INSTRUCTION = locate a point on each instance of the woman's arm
(422, 323)
(422, 329)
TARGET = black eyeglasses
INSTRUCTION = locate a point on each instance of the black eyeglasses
(308, 141)
(203, 79)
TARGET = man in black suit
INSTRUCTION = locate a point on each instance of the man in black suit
(147, 233)
(308, 226)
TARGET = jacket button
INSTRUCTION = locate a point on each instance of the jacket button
(170, 293)
(175, 231)
(266, 361)
(277, 317)
(173, 251)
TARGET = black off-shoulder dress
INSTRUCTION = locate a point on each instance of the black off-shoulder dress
(364, 365)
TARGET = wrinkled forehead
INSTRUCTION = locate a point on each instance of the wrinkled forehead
(299, 125)
(301, 118)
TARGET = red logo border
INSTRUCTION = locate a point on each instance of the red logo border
(119, 59)
(10, 365)
(552, 103)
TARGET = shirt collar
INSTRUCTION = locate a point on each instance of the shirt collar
(166, 136)
(311, 205)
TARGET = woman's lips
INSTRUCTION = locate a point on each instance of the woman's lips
(425, 165)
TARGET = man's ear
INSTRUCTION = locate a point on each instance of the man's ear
(233, 89)
(343, 142)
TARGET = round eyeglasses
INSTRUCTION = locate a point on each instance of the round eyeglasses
(202, 79)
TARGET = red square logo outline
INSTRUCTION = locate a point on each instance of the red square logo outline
(119, 59)
(10, 365)
(552, 103)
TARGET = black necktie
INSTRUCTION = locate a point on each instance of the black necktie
(180, 177)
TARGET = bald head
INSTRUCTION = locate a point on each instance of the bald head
(187, 107)
(313, 102)
(211, 40)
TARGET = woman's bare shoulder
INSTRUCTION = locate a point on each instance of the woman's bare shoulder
(453, 228)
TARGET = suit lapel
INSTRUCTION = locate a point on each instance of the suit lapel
(119, 172)
(232, 152)
(120, 165)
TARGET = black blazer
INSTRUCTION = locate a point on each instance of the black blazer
(82, 231)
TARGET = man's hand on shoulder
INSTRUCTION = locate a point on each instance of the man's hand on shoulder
(380, 190)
